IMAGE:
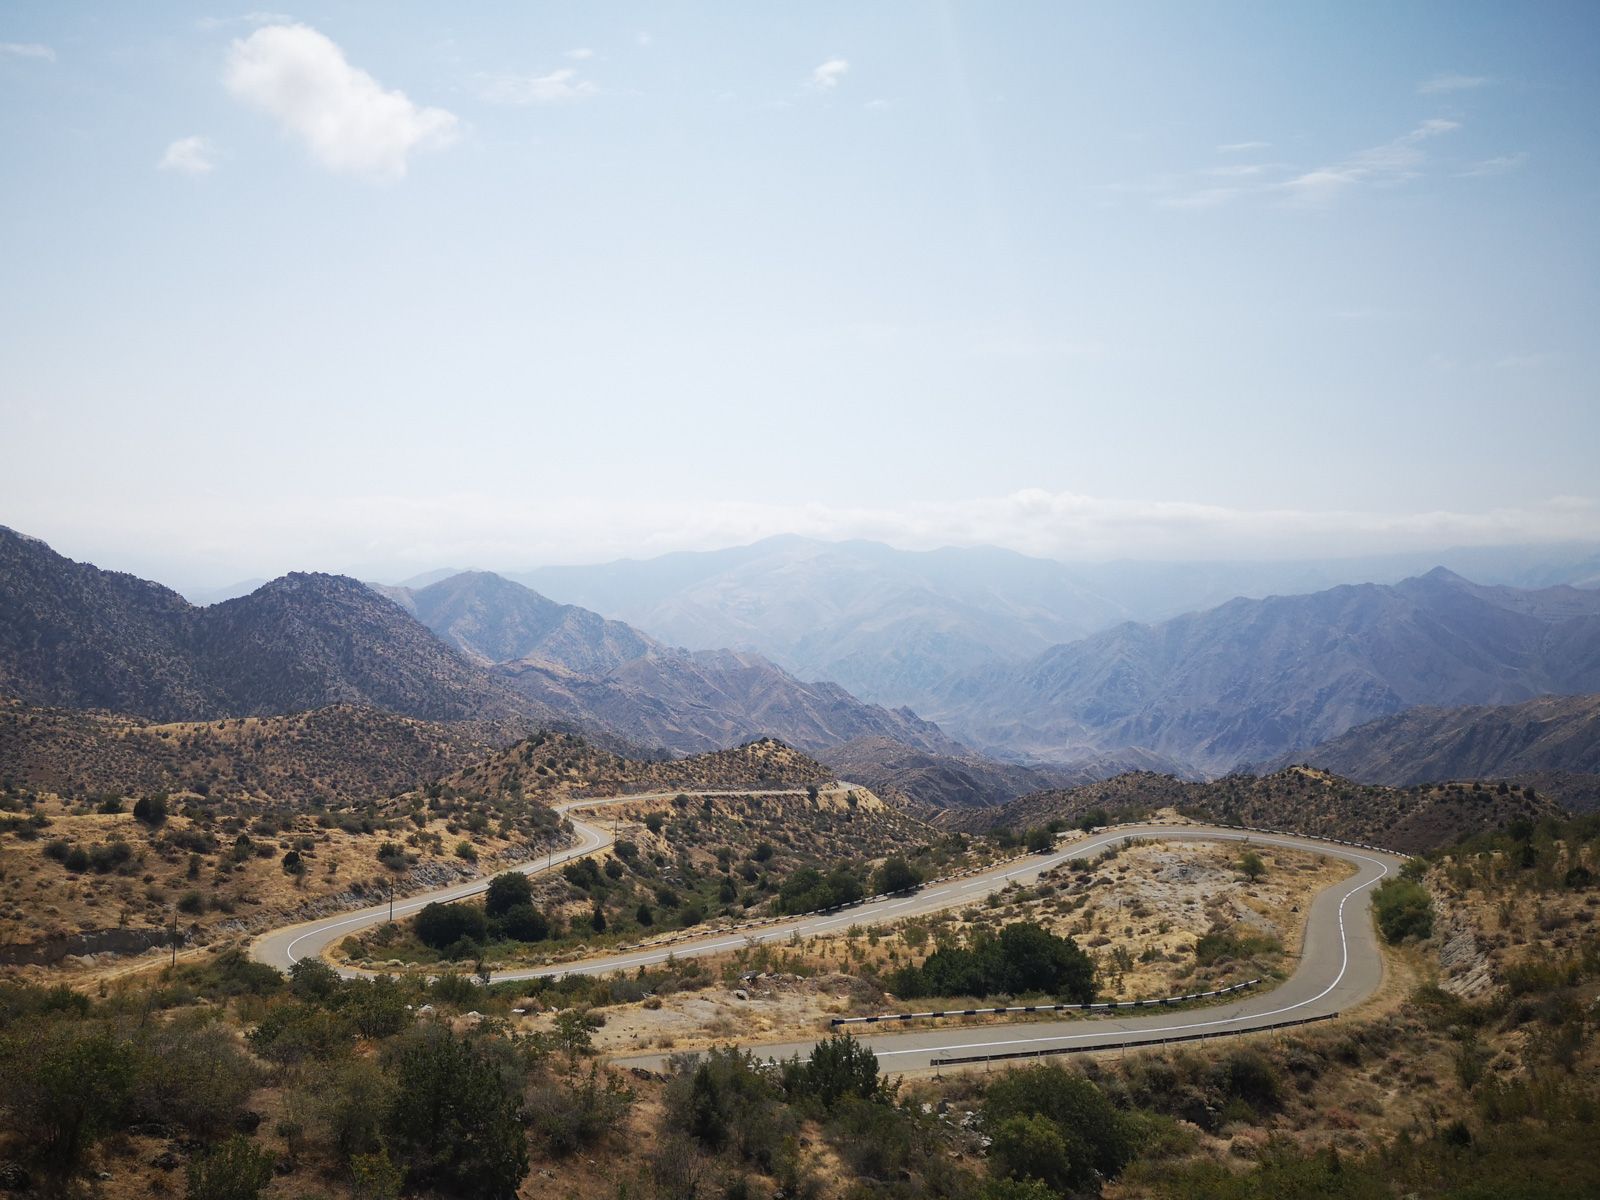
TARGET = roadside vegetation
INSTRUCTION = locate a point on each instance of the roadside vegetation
(678, 865)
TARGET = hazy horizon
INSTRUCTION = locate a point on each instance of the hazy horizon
(512, 287)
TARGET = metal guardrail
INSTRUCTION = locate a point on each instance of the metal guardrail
(1126, 1045)
(1100, 1006)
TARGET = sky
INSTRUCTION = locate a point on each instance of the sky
(383, 287)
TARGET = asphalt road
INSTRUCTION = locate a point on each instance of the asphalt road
(1340, 963)
(282, 948)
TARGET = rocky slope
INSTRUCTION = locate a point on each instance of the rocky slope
(493, 620)
(319, 757)
(548, 766)
(79, 637)
(1301, 799)
(1508, 741)
(891, 768)
(606, 674)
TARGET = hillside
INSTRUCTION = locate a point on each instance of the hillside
(891, 768)
(605, 674)
(1414, 819)
(493, 620)
(551, 766)
(1254, 679)
(1510, 741)
(318, 757)
(79, 637)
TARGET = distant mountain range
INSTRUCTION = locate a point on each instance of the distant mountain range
(895, 626)
(1248, 681)
(1253, 679)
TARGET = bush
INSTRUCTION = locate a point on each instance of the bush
(455, 1120)
(506, 892)
(522, 923)
(808, 890)
(895, 875)
(236, 1170)
(313, 979)
(837, 1067)
(1094, 1136)
(1024, 958)
(441, 926)
(568, 1117)
(63, 1086)
(1211, 948)
(191, 1072)
(151, 810)
(1404, 909)
(724, 1101)
(1033, 1147)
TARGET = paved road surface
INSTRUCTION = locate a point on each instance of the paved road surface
(1340, 963)
(282, 948)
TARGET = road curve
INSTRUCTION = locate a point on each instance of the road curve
(1340, 965)
(1340, 962)
(284, 947)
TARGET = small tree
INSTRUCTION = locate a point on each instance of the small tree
(838, 1067)
(455, 1120)
(895, 875)
(151, 810)
(374, 1177)
(1251, 866)
(506, 892)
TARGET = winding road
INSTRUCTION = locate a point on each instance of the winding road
(1340, 962)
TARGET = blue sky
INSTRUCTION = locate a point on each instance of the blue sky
(379, 287)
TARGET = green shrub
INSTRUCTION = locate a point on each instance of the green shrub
(506, 892)
(441, 926)
(837, 1067)
(895, 875)
(1403, 909)
(1024, 958)
(1094, 1135)
(236, 1170)
(455, 1121)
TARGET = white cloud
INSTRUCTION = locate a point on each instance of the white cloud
(27, 50)
(580, 54)
(190, 155)
(1242, 147)
(1451, 83)
(346, 119)
(1501, 165)
(827, 75)
(558, 87)
(1393, 162)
